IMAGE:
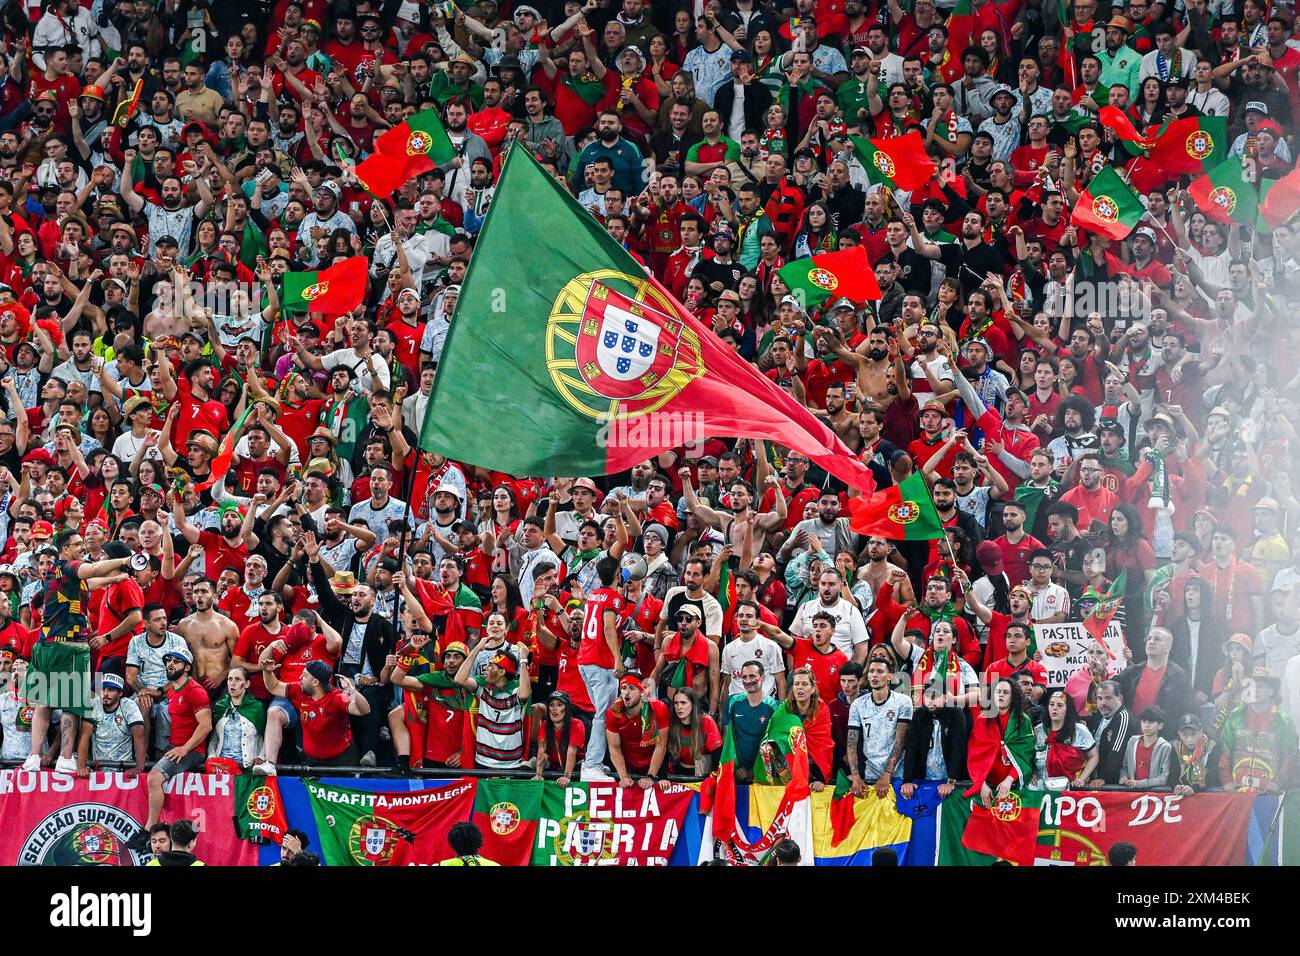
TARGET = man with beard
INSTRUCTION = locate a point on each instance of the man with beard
(191, 722)
(1138, 361)
(971, 258)
(722, 271)
(936, 605)
(468, 146)
(89, 124)
(828, 527)
(454, 609)
(322, 221)
(742, 518)
(1094, 500)
(380, 508)
(211, 636)
(793, 487)
(932, 442)
(342, 541)
(1074, 421)
(228, 547)
(172, 217)
(661, 215)
(196, 408)
(622, 153)
(842, 421)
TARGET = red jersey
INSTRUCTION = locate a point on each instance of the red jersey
(577, 738)
(304, 647)
(326, 730)
(120, 600)
(570, 681)
(218, 555)
(594, 649)
(211, 416)
(636, 733)
(183, 706)
(1015, 557)
(825, 667)
(252, 641)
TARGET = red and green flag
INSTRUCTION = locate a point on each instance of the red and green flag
(847, 273)
(1009, 829)
(421, 141)
(382, 174)
(898, 162)
(259, 809)
(129, 106)
(333, 291)
(591, 362)
(903, 512)
(844, 812)
(506, 813)
(970, 835)
(1108, 207)
(225, 451)
(1280, 199)
(961, 31)
(1190, 146)
(1117, 121)
(1225, 195)
(1103, 611)
(397, 828)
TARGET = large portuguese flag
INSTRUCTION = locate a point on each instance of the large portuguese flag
(1188, 146)
(332, 291)
(847, 273)
(903, 512)
(421, 141)
(565, 358)
(1109, 206)
(899, 162)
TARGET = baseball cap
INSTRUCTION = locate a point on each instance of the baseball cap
(181, 654)
(1146, 232)
(1255, 106)
(860, 51)
(1189, 722)
(691, 610)
(1267, 504)
(329, 186)
(737, 56)
(989, 557)
(112, 680)
(42, 529)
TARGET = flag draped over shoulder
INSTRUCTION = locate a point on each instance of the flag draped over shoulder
(904, 511)
(589, 364)
(783, 758)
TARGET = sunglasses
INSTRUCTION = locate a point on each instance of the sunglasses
(684, 617)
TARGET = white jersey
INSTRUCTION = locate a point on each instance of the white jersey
(877, 724)
(850, 627)
(737, 653)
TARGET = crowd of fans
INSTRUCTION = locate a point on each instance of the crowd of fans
(335, 596)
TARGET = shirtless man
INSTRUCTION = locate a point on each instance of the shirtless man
(741, 496)
(870, 368)
(879, 569)
(842, 421)
(210, 635)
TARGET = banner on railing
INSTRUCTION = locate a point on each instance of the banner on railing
(1077, 828)
(55, 819)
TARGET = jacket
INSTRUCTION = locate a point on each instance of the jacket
(1209, 652)
(1175, 697)
(1162, 758)
(953, 734)
(757, 100)
(380, 639)
(248, 720)
(1111, 743)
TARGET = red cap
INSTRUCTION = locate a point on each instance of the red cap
(42, 529)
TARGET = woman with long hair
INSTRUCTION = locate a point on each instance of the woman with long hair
(694, 740)
(205, 244)
(502, 522)
(1128, 550)
(662, 69)
(805, 703)
(765, 50)
(683, 40)
(774, 137)
(1000, 754)
(149, 471)
(561, 740)
(1150, 105)
(506, 599)
(97, 484)
(816, 233)
(100, 427)
(1063, 745)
